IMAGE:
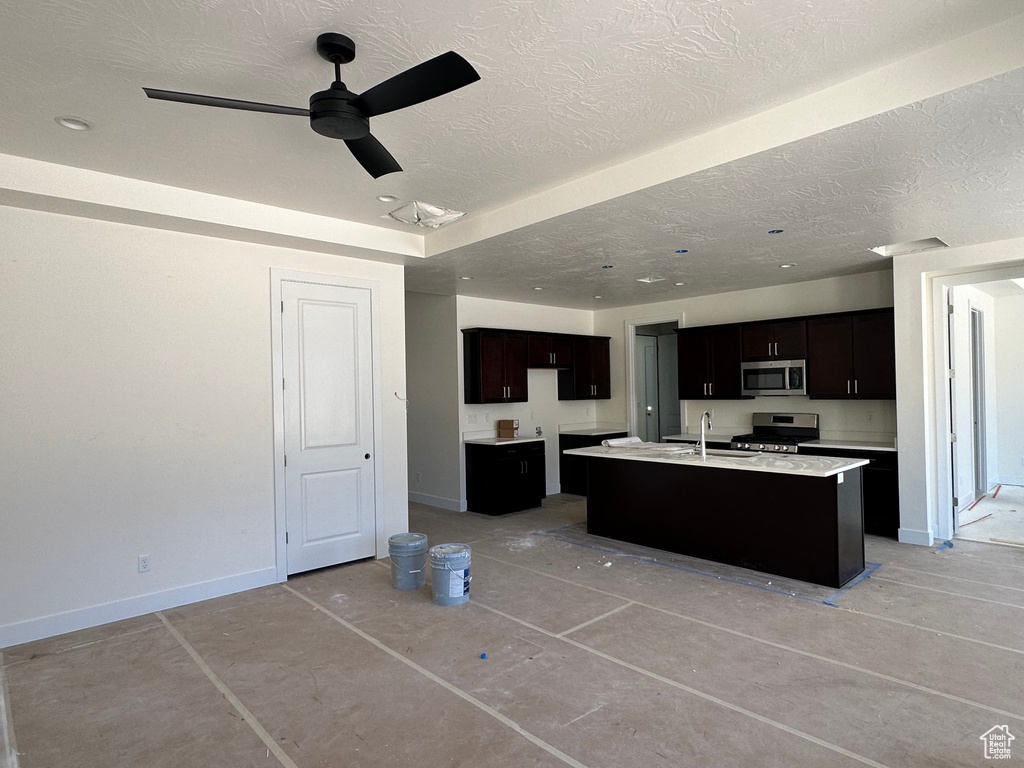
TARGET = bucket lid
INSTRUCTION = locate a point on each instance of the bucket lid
(402, 541)
(443, 551)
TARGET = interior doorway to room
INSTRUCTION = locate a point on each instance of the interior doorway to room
(655, 381)
(986, 410)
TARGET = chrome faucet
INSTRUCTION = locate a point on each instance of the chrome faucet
(703, 438)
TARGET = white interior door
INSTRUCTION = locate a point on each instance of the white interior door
(646, 359)
(328, 424)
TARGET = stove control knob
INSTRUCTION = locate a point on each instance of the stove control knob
(746, 446)
(761, 446)
(785, 448)
(778, 447)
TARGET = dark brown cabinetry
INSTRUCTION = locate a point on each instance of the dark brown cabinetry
(881, 487)
(504, 477)
(709, 362)
(549, 350)
(572, 470)
(852, 356)
(589, 377)
(775, 340)
(494, 366)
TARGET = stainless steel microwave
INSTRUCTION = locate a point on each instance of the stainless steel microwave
(774, 377)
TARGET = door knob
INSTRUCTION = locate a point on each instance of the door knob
(366, 456)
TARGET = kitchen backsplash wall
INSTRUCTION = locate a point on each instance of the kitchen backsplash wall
(872, 420)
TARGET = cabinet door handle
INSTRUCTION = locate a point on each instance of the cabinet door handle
(847, 386)
(855, 386)
(711, 389)
(769, 349)
(776, 349)
(705, 389)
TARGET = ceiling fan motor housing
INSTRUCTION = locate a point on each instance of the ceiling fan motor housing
(331, 114)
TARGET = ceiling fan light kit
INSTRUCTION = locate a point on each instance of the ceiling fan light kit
(338, 113)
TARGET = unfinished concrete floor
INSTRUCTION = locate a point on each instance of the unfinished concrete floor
(642, 662)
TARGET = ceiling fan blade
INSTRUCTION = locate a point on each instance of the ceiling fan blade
(372, 156)
(216, 101)
(434, 77)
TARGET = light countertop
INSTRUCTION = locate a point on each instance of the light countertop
(850, 442)
(504, 440)
(667, 453)
(594, 431)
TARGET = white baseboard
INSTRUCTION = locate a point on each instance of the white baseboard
(554, 488)
(455, 505)
(1010, 480)
(913, 536)
(94, 615)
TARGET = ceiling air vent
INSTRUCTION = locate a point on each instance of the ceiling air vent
(424, 214)
(914, 246)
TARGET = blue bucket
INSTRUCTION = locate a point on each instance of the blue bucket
(449, 573)
(408, 552)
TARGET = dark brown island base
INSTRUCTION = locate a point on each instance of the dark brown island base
(793, 516)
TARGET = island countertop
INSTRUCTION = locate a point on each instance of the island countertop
(667, 453)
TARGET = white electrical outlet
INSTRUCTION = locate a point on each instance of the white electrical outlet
(471, 418)
(871, 415)
(144, 564)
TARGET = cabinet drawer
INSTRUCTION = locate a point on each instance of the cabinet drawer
(516, 450)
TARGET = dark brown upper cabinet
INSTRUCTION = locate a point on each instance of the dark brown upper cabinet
(589, 377)
(547, 350)
(709, 362)
(775, 340)
(852, 356)
(494, 365)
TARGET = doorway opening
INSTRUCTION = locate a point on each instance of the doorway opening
(986, 410)
(656, 411)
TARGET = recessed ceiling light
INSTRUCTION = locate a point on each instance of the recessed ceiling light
(464, 277)
(387, 198)
(774, 231)
(599, 297)
(786, 266)
(608, 266)
(74, 123)
(682, 250)
(680, 284)
(538, 289)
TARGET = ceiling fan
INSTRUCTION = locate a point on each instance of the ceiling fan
(340, 114)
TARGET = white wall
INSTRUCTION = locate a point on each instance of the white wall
(864, 291)
(544, 409)
(924, 487)
(1009, 384)
(137, 417)
(434, 375)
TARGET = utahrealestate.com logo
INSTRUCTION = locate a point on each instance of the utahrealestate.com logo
(997, 742)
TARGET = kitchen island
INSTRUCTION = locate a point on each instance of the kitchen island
(794, 516)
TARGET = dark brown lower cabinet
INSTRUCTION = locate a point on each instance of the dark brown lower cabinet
(806, 528)
(572, 470)
(505, 477)
(881, 487)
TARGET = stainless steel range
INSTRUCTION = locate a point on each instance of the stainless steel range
(781, 432)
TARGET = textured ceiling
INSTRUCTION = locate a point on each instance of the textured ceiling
(568, 87)
(950, 167)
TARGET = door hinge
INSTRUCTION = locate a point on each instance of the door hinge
(282, 306)
(282, 382)
(286, 537)
(956, 502)
(952, 437)
(952, 373)
(949, 309)
(286, 461)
